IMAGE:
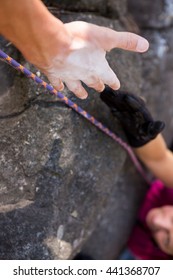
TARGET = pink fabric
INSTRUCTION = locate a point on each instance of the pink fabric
(141, 243)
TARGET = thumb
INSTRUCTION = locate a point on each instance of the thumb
(130, 41)
(107, 38)
(110, 39)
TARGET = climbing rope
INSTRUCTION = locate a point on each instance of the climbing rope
(78, 109)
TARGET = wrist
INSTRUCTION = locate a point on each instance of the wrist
(34, 31)
(47, 41)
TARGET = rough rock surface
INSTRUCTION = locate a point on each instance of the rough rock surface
(157, 62)
(65, 186)
(152, 14)
(109, 8)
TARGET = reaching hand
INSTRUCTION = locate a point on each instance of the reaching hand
(86, 60)
(136, 120)
(67, 53)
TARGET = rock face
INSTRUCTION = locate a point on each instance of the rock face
(156, 25)
(65, 186)
(109, 8)
(152, 14)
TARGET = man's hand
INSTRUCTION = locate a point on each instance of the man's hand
(67, 53)
(86, 60)
(136, 120)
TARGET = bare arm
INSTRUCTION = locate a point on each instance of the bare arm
(156, 156)
(64, 52)
(33, 30)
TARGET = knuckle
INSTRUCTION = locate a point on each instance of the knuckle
(130, 43)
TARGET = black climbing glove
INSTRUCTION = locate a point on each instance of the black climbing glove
(133, 115)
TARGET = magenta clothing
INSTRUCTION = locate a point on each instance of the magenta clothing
(141, 243)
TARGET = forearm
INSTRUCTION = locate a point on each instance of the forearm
(158, 159)
(33, 29)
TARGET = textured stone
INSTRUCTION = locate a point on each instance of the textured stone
(154, 14)
(157, 62)
(158, 77)
(109, 8)
(112, 231)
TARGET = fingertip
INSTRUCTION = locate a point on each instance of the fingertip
(77, 88)
(95, 83)
(110, 79)
(115, 85)
(83, 96)
(102, 89)
(58, 85)
(142, 45)
(80, 92)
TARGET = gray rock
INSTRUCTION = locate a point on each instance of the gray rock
(158, 72)
(60, 176)
(114, 228)
(109, 8)
(152, 14)
(157, 62)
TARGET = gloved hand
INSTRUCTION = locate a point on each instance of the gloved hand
(136, 120)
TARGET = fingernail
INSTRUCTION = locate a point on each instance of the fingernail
(142, 45)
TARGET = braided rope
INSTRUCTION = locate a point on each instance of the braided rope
(76, 108)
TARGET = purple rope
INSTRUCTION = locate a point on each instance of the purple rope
(76, 108)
